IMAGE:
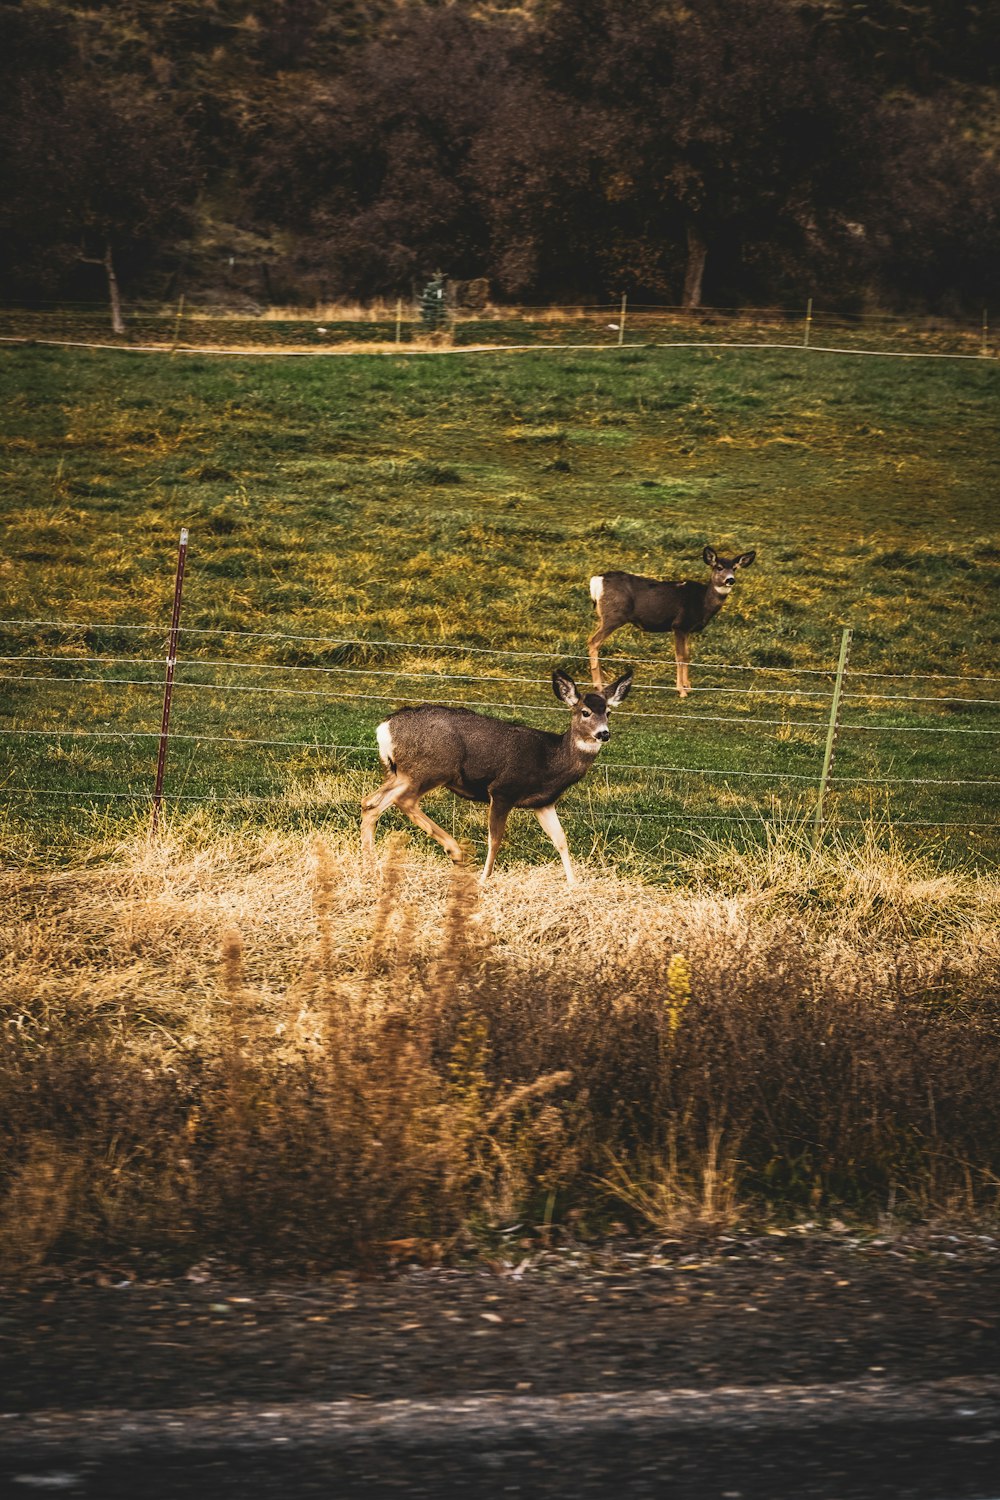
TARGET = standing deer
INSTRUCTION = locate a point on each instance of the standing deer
(489, 760)
(685, 608)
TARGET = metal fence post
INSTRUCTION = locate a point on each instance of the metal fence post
(831, 734)
(621, 325)
(809, 318)
(168, 689)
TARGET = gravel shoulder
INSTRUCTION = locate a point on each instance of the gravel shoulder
(750, 1310)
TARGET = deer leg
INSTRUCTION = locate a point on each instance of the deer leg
(374, 806)
(498, 822)
(683, 656)
(549, 819)
(594, 642)
(410, 805)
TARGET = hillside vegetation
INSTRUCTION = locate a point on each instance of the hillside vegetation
(233, 1043)
(729, 152)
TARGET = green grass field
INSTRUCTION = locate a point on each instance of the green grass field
(458, 505)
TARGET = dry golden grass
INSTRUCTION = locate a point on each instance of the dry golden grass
(253, 1047)
(144, 930)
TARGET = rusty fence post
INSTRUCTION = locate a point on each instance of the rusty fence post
(168, 687)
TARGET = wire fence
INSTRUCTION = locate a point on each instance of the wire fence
(65, 722)
(323, 329)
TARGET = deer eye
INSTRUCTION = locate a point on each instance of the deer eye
(587, 714)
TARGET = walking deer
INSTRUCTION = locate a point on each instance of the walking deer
(685, 608)
(489, 760)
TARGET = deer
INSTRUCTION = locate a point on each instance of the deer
(489, 760)
(685, 608)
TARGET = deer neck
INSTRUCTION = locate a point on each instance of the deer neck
(575, 755)
(712, 602)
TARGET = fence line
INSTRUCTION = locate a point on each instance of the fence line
(269, 635)
(399, 672)
(142, 797)
(232, 687)
(411, 351)
(301, 312)
(616, 774)
(607, 767)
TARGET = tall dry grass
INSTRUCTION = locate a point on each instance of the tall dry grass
(249, 1048)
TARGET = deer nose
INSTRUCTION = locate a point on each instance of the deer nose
(603, 734)
(730, 577)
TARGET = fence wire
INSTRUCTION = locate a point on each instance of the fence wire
(473, 650)
(369, 692)
(606, 767)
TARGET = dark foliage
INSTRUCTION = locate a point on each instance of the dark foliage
(732, 151)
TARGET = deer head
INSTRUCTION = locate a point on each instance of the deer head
(724, 568)
(589, 726)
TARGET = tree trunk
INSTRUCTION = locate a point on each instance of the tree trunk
(114, 296)
(695, 268)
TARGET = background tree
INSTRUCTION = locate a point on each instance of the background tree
(733, 150)
(373, 169)
(99, 175)
(728, 124)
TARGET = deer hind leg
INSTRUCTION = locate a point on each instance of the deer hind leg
(497, 824)
(375, 805)
(683, 654)
(409, 803)
(549, 819)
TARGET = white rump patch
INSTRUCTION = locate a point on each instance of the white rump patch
(597, 587)
(383, 735)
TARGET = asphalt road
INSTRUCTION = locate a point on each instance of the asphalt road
(863, 1440)
(822, 1369)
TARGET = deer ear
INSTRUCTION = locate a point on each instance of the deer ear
(745, 560)
(619, 690)
(710, 556)
(565, 688)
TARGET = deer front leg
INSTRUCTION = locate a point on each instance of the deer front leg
(497, 823)
(597, 638)
(549, 819)
(683, 656)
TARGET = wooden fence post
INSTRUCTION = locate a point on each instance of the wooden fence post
(621, 325)
(809, 318)
(177, 323)
(168, 689)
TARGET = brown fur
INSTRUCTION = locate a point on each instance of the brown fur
(491, 761)
(653, 605)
